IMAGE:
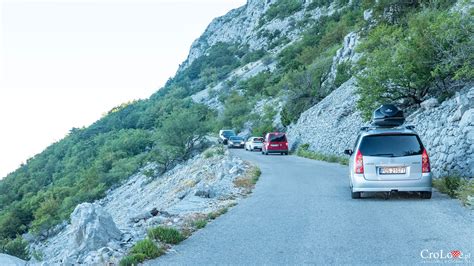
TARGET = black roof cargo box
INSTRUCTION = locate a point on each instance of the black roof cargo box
(388, 115)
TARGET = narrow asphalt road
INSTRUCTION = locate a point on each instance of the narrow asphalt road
(301, 212)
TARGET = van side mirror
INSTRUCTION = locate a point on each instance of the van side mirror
(348, 152)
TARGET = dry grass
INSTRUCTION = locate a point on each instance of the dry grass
(249, 180)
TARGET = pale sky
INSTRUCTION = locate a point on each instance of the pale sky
(65, 63)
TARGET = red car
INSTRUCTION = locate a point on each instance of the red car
(275, 142)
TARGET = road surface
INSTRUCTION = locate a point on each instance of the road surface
(301, 212)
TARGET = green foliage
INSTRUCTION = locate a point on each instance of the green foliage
(16, 247)
(303, 151)
(319, 39)
(264, 123)
(82, 166)
(253, 56)
(132, 260)
(343, 73)
(398, 12)
(449, 184)
(183, 128)
(318, 3)
(212, 67)
(283, 8)
(214, 151)
(304, 88)
(456, 187)
(215, 214)
(403, 64)
(166, 235)
(261, 84)
(141, 251)
(237, 108)
(306, 64)
(199, 224)
(465, 193)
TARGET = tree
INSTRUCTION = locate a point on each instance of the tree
(305, 88)
(183, 128)
(433, 54)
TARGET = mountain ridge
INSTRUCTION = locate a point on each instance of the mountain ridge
(262, 67)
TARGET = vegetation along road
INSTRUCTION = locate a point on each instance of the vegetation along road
(301, 212)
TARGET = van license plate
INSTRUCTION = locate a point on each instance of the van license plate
(392, 170)
(275, 145)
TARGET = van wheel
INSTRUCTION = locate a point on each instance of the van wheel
(426, 194)
(355, 195)
(286, 153)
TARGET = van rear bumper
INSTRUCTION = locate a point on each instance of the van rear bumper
(276, 151)
(360, 184)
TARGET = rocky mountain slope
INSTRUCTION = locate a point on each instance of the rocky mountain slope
(311, 68)
(105, 230)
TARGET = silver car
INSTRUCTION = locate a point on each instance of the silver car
(388, 160)
(254, 143)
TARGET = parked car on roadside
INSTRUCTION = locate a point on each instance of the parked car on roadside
(275, 142)
(389, 157)
(235, 142)
(254, 143)
(224, 135)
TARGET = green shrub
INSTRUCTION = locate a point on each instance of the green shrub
(215, 214)
(456, 187)
(263, 124)
(147, 248)
(199, 224)
(303, 151)
(465, 193)
(343, 73)
(16, 247)
(236, 111)
(208, 154)
(304, 88)
(166, 234)
(403, 64)
(449, 185)
(319, 3)
(132, 260)
(283, 8)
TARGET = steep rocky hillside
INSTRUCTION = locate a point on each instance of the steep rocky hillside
(105, 230)
(313, 68)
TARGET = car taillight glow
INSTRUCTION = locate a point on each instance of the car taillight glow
(359, 163)
(425, 162)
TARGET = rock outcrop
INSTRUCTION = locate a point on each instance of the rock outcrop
(102, 232)
(91, 229)
(242, 25)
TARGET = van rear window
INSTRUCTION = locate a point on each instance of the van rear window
(395, 145)
(277, 137)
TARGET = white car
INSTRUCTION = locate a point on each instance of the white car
(254, 143)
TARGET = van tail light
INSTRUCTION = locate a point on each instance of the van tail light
(425, 162)
(359, 163)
